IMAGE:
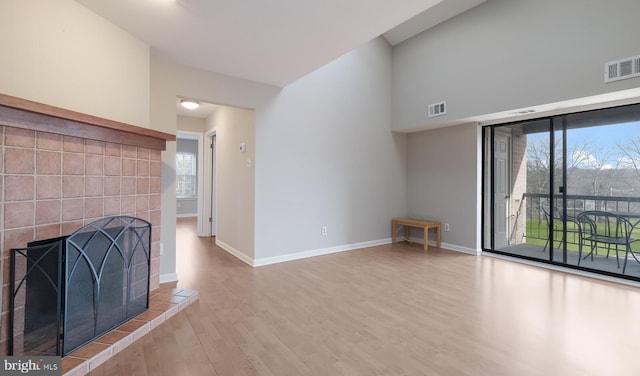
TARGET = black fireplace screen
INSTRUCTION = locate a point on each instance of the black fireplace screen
(68, 291)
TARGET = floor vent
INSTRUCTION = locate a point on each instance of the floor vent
(437, 109)
(622, 69)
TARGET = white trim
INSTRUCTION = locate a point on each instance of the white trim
(451, 247)
(319, 252)
(170, 277)
(235, 252)
(563, 269)
(206, 205)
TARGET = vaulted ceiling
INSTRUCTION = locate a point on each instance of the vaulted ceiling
(270, 41)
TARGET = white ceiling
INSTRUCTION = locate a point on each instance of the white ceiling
(270, 41)
(202, 112)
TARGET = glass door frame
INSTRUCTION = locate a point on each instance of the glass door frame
(557, 124)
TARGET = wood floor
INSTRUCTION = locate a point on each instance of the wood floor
(387, 310)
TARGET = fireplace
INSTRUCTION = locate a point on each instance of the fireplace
(62, 170)
(69, 290)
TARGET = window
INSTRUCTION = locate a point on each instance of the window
(185, 175)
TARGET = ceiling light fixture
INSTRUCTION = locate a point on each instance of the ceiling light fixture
(189, 104)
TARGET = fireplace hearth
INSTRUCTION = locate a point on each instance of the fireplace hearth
(66, 291)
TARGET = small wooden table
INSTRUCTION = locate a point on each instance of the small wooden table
(410, 222)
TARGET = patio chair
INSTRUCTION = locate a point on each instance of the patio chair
(569, 220)
(607, 229)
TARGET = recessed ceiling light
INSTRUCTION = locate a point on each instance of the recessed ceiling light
(189, 104)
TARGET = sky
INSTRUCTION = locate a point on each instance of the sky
(593, 144)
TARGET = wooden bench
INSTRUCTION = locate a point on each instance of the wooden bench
(410, 222)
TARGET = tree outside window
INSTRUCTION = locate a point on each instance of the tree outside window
(185, 175)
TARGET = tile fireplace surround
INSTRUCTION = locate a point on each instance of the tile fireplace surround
(60, 170)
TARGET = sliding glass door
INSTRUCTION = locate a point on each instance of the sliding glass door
(544, 177)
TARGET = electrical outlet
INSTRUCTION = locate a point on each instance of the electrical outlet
(446, 227)
(323, 230)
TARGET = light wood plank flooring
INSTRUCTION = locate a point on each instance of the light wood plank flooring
(387, 310)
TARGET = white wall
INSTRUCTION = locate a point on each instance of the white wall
(235, 179)
(443, 178)
(168, 81)
(324, 151)
(61, 54)
(506, 54)
(326, 157)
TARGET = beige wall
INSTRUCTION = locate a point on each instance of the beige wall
(443, 179)
(60, 53)
(235, 178)
(504, 55)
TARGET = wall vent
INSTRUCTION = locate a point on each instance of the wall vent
(622, 69)
(437, 109)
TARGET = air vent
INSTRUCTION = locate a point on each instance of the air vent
(622, 69)
(437, 109)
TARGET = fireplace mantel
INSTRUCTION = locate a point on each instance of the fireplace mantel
(26, 114)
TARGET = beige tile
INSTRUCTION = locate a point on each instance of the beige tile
(48, 141)
(112, 166)
(94, 165)
(19, 188)
(48, 212)
(20, 137)
(48, 231)
(48, 187)
(72, 164)
(142, 168)
(93, 207)
(18, 214)
(73, 144)
(142, 186)
(129, 151)
(155, 155)
(142, 203)
(93, 186)
(155, 169)
(112, 186)
(112, 149)
(111, 205)
(155, 185)
(72, 209)
(94, 147)
(157, 321)
(128, 167)
(72, 186)
(48, 162)
(155, 201)
(128, 186)
(128, 204)
(17, 238)
(143, 153)
(122, 344)
(70, 227)
(19, 161)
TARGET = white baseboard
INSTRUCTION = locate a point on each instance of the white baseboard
(452, 247)
(235, 252)
(326, 251)
(170, 277)
(319, 252)
(186, 215)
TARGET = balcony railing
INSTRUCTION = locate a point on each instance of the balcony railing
(536, 221)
